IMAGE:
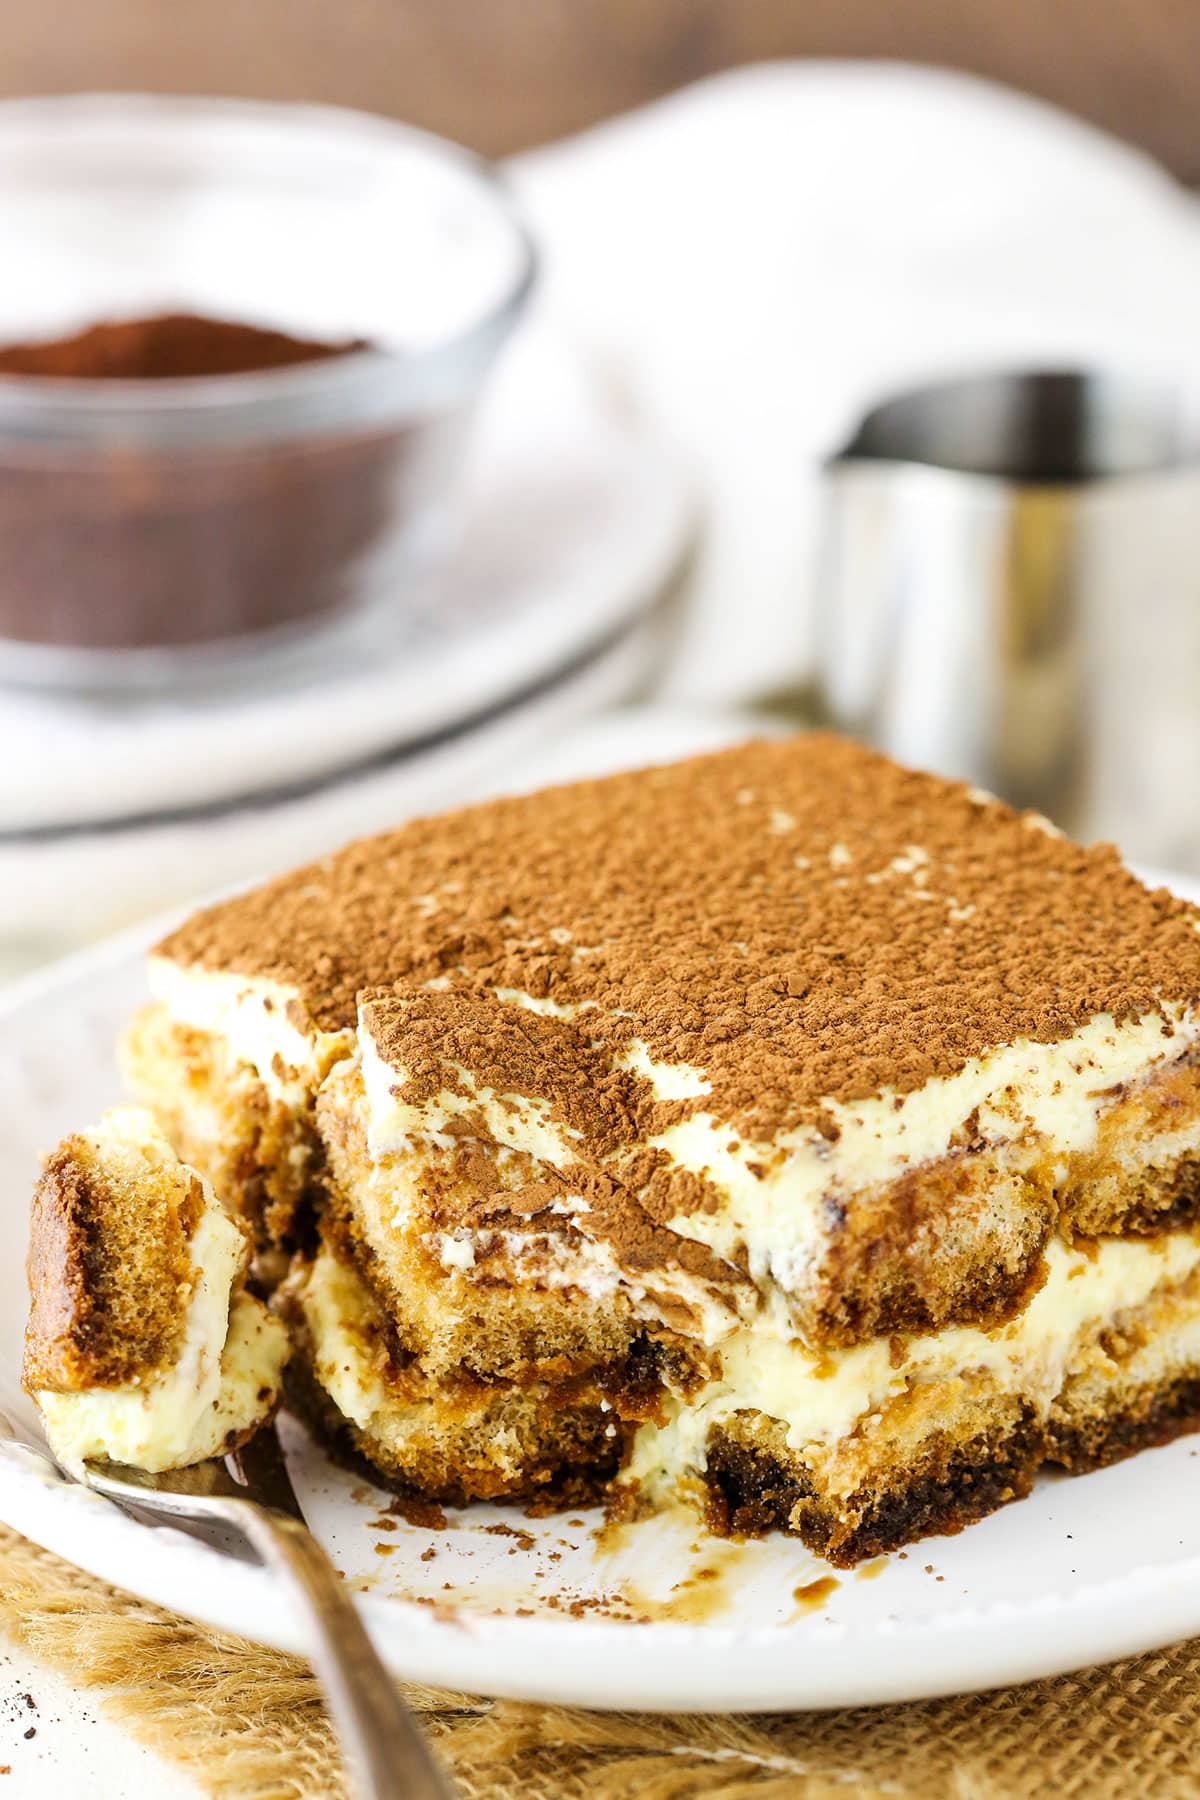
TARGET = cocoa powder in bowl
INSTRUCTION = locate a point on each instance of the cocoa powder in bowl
(118, 544)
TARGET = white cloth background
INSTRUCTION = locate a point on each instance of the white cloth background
(761, 257)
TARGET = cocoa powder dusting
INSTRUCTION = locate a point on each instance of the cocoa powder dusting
(800, 922)
(166, 346)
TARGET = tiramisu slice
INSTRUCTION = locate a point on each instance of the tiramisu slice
(142, 1345)
(784, 1128)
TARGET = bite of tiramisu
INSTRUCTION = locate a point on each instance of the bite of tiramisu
(142, 1344)
(782, 1130)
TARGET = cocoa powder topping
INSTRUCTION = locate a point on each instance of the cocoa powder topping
(797, 921)
(166, 347)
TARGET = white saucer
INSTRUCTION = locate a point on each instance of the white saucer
(573, 520)
(1083, 1571)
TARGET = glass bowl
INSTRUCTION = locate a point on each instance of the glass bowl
(157, 531)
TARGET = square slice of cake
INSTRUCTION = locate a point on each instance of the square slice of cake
(781, 1129)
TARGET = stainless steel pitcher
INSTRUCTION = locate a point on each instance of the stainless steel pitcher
(1010, 593)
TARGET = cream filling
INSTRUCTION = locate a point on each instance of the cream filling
(590, 1267)
(334, 1304)
(225, 1378)
(127, 1142)
(822, 1398)
(773, 1192)
(250, 1014)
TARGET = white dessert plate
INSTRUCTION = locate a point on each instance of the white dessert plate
(651, 1616)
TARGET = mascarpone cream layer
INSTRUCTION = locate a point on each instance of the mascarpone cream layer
(335, 1306)
(249, 1014)
(822, 1399)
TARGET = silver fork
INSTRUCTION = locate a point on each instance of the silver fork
(249, 1497)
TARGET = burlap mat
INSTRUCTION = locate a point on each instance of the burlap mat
(247, 1722)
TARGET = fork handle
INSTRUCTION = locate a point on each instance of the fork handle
(385, 1754)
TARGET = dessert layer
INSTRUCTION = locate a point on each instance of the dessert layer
(766, 1195)
(920, 1209)
(969, 1449)
(820, 1402)
(259, 1151)
(804, 922)
(142, 1345)
(787, 1018)
(950, 1240)
(494, 1245)
(458, 1436)
(111, 1254)
(855, 1454)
